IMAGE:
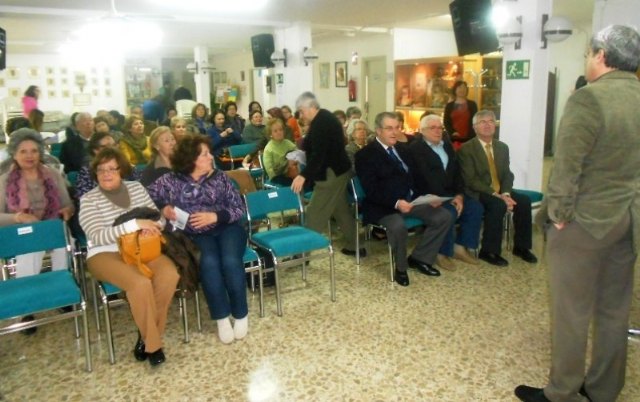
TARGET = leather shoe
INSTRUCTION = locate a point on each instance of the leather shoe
(156, 358)
(352, 253)
(530, 394)
(138, 350)
(401, 278)
(493, 259)
(525, 255)
(422, 267)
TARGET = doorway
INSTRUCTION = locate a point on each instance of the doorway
(374, 71)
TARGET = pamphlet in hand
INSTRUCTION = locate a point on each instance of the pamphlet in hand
(429, 199)
(298, 156)
(182, 218)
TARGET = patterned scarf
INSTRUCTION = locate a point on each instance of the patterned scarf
(137, 145)
(18, 196)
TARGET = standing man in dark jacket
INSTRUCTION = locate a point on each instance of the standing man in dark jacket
(329, 168)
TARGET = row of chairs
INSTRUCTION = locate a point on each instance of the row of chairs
(46, 293)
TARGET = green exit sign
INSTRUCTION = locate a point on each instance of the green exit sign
(517, 69)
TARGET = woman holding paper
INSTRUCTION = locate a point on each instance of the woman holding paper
(275, 153)
(202, 200)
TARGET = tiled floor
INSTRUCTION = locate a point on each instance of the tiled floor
(470, 335)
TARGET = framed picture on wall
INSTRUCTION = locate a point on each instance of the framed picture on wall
(49, 70)
(107, 93)
(341, 74)
(1, 82)
(33, 72)
(51, 93)
(14, 93)
(13, 73)
(324, 74)
(51, 82)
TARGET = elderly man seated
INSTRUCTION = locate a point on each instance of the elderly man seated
(485, 169)
(384, 168)
(437, 171)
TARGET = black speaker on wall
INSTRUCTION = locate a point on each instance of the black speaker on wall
(3, 49)
(472, 26)
(262, 47)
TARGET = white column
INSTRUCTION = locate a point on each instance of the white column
(297, 77)
(202, 78)
(524, 101)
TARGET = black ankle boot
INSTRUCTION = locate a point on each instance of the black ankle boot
(156, 358)
(138, 350)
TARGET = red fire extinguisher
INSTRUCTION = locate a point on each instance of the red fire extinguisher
(352, 90)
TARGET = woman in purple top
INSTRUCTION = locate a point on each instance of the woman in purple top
(215, 211)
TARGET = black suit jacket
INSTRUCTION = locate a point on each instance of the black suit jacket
(430, 176)
(384, 181)
(324, 146)
(72, 153)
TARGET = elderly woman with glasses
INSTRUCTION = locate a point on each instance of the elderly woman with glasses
(149, 298)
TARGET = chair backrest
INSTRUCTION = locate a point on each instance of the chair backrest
(264, 202)
(56, 149)
(242, 180)
(72, 177)
(242, 150)
(32, 237)
(357, 192)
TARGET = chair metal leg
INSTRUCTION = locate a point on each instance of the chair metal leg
(634, 331)
(197, 303)
(332, 269)
(76, 324)
(277, 284)
(357, 243)
(508, 227)
(96, 307)
(107, 325)
(182, 303)
(85, 329)
(261, 289)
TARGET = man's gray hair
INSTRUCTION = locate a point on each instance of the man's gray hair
(424, 122)
(307, 99)
(384, 115)
(82, 116)
(483, 113)
(621, 45)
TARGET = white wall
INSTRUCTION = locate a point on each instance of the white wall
(625, 12)
(340, 49)
(419, 43)
(567, 58)
(56, 95)
(236, 64)
(329, 51)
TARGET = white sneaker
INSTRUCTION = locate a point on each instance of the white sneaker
(225, 331)
(241, 327)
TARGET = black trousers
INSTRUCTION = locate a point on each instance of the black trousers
(494, 210)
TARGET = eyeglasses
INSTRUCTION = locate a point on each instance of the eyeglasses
(103, 171)
(486, 122)
(434, 128)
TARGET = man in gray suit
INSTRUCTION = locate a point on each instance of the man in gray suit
(593, 207)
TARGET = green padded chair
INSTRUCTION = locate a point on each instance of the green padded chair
(44, 293)
(291, 245)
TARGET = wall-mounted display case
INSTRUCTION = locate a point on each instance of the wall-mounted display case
(425, 85)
